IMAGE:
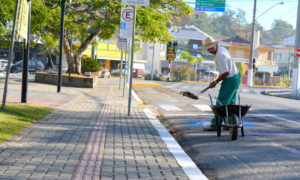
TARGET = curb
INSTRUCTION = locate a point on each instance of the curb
(275, 95)
(188, 166)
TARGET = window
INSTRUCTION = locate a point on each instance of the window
(269, 55)
(195, 46)
(240, 54)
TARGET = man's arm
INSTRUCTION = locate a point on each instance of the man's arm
(220, 78)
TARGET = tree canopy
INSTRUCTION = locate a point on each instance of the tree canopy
(87, 20)
(231, 23)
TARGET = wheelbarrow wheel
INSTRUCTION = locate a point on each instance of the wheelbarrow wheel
(233, 131)
(219, 126)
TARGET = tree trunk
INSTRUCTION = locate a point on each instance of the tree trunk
(74, 59)
(77, 62)
(69, 55)
(49, 61)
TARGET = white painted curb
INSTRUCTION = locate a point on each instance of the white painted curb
(188, 166)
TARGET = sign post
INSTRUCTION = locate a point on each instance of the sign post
(210, 5)
(122, 44)
(131, 62)
(127, 16)
(171, 54)
(26, 52)
(11, 49)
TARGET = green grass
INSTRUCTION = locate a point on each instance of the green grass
(15, 117)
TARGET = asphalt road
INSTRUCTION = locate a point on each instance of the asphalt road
(270, 148)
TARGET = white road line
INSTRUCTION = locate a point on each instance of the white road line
(188, 166)
(202, 107)
(204, 97)
(170, 108)
(261, 114)
(283, 119)
(190, 114)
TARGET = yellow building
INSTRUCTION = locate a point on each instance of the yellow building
(240, 51)
(109, 55)
(264, 58)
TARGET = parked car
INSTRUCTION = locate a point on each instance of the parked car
(3, 64)
(105, 73)
(33, 66)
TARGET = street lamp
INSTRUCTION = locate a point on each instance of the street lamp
(62, 26)
(61, 40)
(280, 3)
(250, 70)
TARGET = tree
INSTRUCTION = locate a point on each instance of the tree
(6, 15)
(280, 30)
(242, 68)
(228, 24)
(191, 59)
(86, 20)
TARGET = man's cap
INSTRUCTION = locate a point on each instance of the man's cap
(209, 42)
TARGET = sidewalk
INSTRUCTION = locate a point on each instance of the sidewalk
(285, 93)
(91, 137)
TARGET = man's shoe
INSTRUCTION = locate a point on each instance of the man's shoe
(210, 128)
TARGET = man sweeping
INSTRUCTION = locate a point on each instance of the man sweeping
(229, 76)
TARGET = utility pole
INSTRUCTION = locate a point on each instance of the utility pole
(296, 68)
(250, 69)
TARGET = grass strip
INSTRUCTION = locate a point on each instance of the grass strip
(16, 117)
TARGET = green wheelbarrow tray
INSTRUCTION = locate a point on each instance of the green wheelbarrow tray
(232, 109)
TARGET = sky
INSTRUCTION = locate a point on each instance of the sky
(286, 12)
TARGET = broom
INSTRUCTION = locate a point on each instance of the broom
(191, 95)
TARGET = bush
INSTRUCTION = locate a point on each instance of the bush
(241, 67)
(91, 65)
(286, 81)
(180, 73)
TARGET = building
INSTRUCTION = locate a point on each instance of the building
(189, 38)
(263, 55)
(284, 58)
(109, 55)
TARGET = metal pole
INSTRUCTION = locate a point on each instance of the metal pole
(124, 81)
(296, 68)
(26, 59)
(289, 64)
(169, 74)
(11, 49)
(131, 63)
(62, 24)
(250, 70)
(128, 60)
(153, 50)
(121, 68)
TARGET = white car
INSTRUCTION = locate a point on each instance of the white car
(3, 64)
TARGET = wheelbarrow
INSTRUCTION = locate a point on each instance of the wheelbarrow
(229, 116)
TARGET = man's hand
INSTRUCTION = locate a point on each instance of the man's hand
(213, 84)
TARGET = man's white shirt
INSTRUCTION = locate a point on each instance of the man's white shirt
(224, 62)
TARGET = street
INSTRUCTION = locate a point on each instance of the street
(270, 148)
